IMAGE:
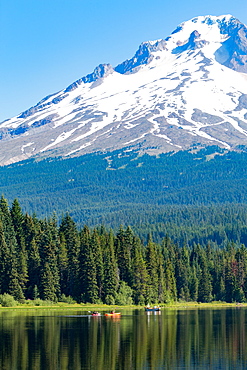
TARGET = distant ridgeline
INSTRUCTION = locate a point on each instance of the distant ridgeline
(40, 258)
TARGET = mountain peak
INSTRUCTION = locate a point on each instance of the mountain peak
(173, 94)
(142, 56)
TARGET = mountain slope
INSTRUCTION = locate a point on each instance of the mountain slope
(126, 188)
(185, 90)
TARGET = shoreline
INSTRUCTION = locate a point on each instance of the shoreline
(102, 307)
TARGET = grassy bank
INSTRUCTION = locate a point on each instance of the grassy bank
(103, 307)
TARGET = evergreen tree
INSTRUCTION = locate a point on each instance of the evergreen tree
(111, 278)
(182, 274)
(98, 259)
(21, 253)
(161, 278)
(152, 270)
(5, 262)
(17, 220)
(48, 288)
(139, 274)
(15, 288)
(70, 234)
(62, 260)
(31, 231)
(170, 282)
(124, 241)
(34, 270)
(205, 286)
(14, 280)
(47, 247)
(87, 269)
(194, 283)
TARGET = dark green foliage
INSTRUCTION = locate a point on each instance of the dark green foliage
(5, 262)
(129, 189)
(124, 243)
(40, 258)
(170, 283)
(111, 278)
(69, 234)
(139, 273)
(87, 274)
(33, 257)
(47, 284)
(152, 271)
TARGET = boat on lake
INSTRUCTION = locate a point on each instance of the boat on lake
(152, 309)
(113, 314)
(95, 313)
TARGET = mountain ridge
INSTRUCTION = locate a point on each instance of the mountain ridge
(189, 88)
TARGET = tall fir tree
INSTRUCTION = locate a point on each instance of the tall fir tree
(87, 275)
(124, 241)
(16, 283)
(48, 254)
(139, 274)
(98, 258)
(111, 278)
(152, 270)
(70, 234)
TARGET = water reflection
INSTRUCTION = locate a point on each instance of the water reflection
(190, 339)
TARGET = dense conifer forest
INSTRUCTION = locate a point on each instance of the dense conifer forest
(129, 188)
(51, 260)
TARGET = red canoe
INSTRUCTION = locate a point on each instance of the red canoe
(95, 313)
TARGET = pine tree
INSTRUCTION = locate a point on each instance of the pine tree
(87, 275)
(98, 258)
(17, 220)
(182, 274)
(139, 274)
(70, 234)
(152, 270)
(205, 285)
(5, 262)
(48, 254)
(161, 277)
(124, 241)
(62, 263)
(194, 283)
(15, 288)
(21, 252)
(48, 288)
(111, 278)
(34, 270)
(170, 282)
(14, 279)
(32, 232)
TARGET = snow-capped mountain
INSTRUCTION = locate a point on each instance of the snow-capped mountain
(187, 89)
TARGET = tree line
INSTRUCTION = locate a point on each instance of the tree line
(40, 258)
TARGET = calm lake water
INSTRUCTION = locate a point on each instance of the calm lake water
(172, 339)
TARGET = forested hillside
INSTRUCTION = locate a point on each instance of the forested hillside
(41, 258)
(126, 188)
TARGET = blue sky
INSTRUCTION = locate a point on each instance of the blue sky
(48, 44)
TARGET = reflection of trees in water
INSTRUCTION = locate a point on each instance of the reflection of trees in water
(172, 339)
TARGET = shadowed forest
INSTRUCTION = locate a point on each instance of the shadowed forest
(41, 258)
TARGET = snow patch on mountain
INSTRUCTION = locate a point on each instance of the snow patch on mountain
(188, 88)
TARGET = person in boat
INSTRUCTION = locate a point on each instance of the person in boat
(95, 313)
(113, 311)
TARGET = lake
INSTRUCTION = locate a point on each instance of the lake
(171, 339)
